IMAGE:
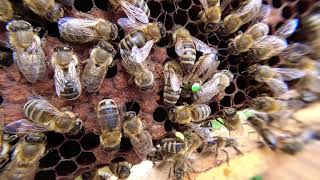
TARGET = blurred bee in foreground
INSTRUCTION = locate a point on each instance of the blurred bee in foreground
(211, 15)
(66, 77)
(172, 82)
(28, 52)
(121, 169)
(232, 121)
(133, 63)
(294, 53)
(140, 139)
(6, 11)
(190, 113)
(86, 30)
(214, 86)
(247, 11)
(101, 57)
(287, 29)
(44, 117)
(186, 46)
(49, 9)
(108, 117)
(27, 154)
(244, 42)
(311, 31)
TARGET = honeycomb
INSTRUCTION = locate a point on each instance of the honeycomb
(69, 156)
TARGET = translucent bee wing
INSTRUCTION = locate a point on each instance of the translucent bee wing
(263, 15)
(273, 44)
(142, 53)
(204, 3)
(295, 51)
(289, 74)
(127, 23)
(225, 4)
(249, 10)
(74, 75)
(142, 145)
(288, 28)
(258, 30)
(175, 80)
(204, 133)
(22, 126)
(134, 12)
(208, 90)
(77, 26)
(277, 86)
(203, 47)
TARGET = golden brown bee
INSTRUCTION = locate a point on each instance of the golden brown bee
(190, 113)
(66, 77)
(48, 9)
(232, 121)
(275, 77)
(140, 139)
(6, 11)
(211, 15)
(268, 104)
(244, 42)
(247, 11)
(186, 46)
(212, 87)
(203, 70)
(85, 30)
(172, 82)
(121, 169)
(27, 154)
(28, 52)
(109, 121)
(101, 57)
(133, 63)
(44, 115)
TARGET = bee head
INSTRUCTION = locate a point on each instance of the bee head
(179, 173)
(64, 48)
(77, 126)
(114, 31)
(211, 27)
(18, 25)
(230, 111)
(107, 47)
(124, 171)
(35, 138)
(55, 14)
(232, 48)
(162, 29)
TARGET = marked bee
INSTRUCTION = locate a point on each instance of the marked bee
(66, 77)
(247, 11)
(133, 63)
(244, 42)
(101, 57)
(211, 15)
(203, 70)
(109, 121)
(86, 30)
(44, 117)
(275, 77)
(140, 139)
(49, 9)
(186, 46)
(27, 154)
(189, 113)
(212, 87)
(121, 169)
(6, 11)
(28, 52)
(232, 121)
(172, 82)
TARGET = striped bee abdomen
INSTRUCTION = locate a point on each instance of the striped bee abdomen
(135, 38)
(108, 115)
(170, 97)
(36, 110)
(70, 91)
(200, 112)
(188, 57)
(171, 145)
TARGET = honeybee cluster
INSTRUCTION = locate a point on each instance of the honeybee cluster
(192, 81)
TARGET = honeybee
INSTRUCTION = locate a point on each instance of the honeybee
(28, 52)
(186, 46)
(172, 82)
(133, 63)
(268, 104)
(268, 46)
(49, 10)
(287, 29)
(101, 57)
(232, 121)
(247, 11)
(6, 11)
(203, 69)
(311, 81)
(44, 117)
(275, 77)
(211, 15)
(26, 157)
(189, 113)
(244, 42)
(86, 30)
(140, 139)
(66, 77)
(294, 53)
(171, 145)
(109, 121)
(212, 87)
(121, 169)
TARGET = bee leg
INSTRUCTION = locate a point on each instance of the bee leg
(237, 150)
(227, 156)
(66, 108)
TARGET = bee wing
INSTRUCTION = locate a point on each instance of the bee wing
(175, 80)
(203, 47)
(295, 51)
(127, 23)
(204, 3)
(289, 74)
(263, 15)
(77, 26)
(274, 43)
(142, 53)
(142, 145)
(288, 28)
(134, 12)
(277, 86)
(204, 133)
(225, 4)
(22, 126)
(74, 75)
(59, 80)
(249, 10)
